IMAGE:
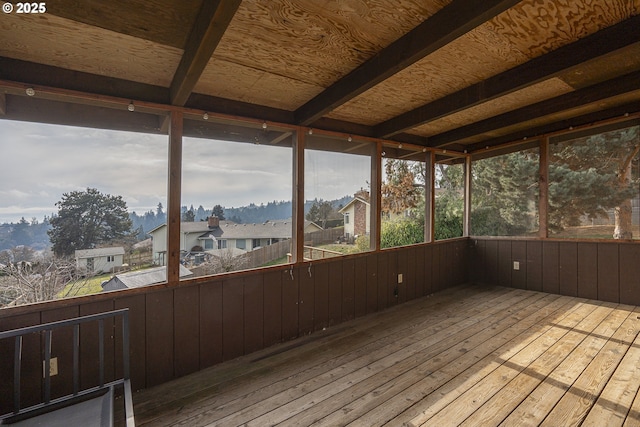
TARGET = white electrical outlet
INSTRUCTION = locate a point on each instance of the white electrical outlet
(516, 265)
(399, 277)
(53, 367)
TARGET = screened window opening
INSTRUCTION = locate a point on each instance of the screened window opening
(449, 199)
(337, 197)
(594, 184)
(403, 214)
(236, 197)
(504, 194)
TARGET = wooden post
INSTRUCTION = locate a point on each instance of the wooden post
(375, 198)
(298, 196)
(543, 189)
(466, 225)
(174, 196)
(429, 196)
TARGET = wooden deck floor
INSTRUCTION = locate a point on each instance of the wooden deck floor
(471, 356)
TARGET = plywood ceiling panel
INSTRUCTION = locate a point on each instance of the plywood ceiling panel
(170, 26)
(527, 96)
(234, 81)
(529, 29)
(317, 42)
(558, 117)
(59, 42)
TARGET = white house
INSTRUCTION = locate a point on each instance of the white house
(357, 215)
(215, 235)
(99, 260)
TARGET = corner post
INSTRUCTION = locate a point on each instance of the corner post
(174, 196)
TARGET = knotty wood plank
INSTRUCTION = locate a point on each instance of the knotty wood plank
(502, 403)
(617, 397)
(390, 385)
(575, 404)
(458, 380)
(424, 344)
(541, 401)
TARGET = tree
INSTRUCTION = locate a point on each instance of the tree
(218, 211)
(449, 204)
(589, 176)
(505, 194)
(189, 216)
(86, 219)
(320, 212)
(400, 191)
(29, 282)
(401, 232)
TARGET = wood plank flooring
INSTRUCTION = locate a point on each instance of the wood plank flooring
(468, 356)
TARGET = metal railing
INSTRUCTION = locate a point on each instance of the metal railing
(47, 330)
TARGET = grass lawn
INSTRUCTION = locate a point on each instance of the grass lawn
(88, 286)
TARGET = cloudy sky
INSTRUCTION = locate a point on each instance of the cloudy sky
(38, 163)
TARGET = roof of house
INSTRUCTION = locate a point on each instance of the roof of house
(280, 229)
(353, 201)
(99, 252)
(138, 278)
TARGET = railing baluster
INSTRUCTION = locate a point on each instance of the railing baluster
(17, 364)
(47, 365)
(76, 359)
(101, 346)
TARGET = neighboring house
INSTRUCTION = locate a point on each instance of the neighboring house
(357, 215)
(99, 260)
(139, 278)
(212, 235)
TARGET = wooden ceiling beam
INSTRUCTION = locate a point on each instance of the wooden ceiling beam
(212, 21)
(593, 118)
(598, 92)
(538, 69)
(451, 22)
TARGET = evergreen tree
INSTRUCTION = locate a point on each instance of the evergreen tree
(86, 219)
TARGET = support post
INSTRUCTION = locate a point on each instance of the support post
(376, 198)
(543, 189)
(429, 196)
(174, 196)
(298, 196)
(466, 225)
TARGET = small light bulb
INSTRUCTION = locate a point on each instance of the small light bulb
(424, 150)
(349, 138)
(205, 116)
(131, 107)
(399, 145)
(264, 125)
(30, 91)
(310, 131)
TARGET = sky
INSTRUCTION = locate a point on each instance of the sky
(39, 162)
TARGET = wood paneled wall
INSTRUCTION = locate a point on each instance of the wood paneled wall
(607, 271)
(177, 330)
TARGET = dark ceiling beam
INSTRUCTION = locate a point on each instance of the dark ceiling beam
(45, 75)
(600, 91)
(212, 21)
(34, 109)
(451, 22)
(538, 69)
(477, 149)
(212, 104)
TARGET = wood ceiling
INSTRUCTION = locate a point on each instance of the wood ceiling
(455, 74)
